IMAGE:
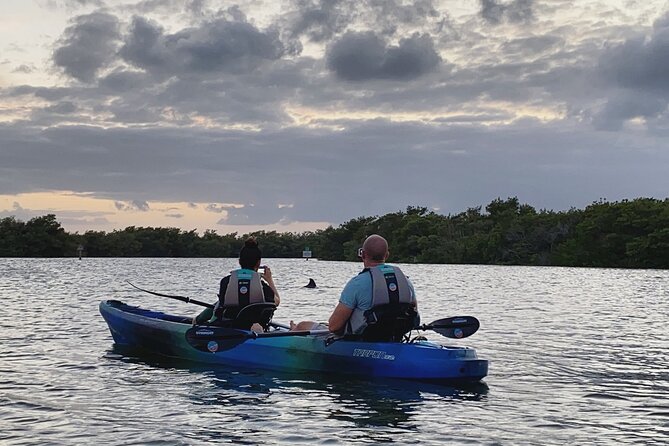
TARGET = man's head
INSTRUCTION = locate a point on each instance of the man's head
(374, 250)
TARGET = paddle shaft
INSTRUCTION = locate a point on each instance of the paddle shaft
(458, 322)
(281, 334)
(186, 299)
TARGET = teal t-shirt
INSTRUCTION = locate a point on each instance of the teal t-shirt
(358, 292)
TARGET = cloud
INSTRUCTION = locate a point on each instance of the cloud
(134, 205)
(319, 20)
(640, 62)
(25, 69)
(220, 208)
(626, 105)
(451, 166)
(322, 20)
(252, 214)
(120, 81)
(516, 11)
(54, 114)
(174, 215)
(636, 72)
(219, 106)
(214, 47)
(365, 56)
(87, 45)
(62, 108)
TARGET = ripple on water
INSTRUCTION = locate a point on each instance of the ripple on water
(578, 356)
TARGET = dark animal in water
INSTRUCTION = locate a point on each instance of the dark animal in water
(311, 284)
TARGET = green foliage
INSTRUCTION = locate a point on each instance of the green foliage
(626, 234)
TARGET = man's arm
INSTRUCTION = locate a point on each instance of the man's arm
(338, 319)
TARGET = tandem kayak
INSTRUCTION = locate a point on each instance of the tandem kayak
(282, 350)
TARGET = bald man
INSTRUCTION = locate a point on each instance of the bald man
(376, 284)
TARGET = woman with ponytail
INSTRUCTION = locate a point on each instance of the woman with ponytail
(242, 287)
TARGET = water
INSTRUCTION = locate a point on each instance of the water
(578, 356)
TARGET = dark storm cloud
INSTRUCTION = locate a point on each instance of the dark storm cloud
(641, 62)
(47, 93)
(216, 46)
(160, 110)
(63, 108)
(121, 81)
(365, 56)
(516, 11)
(626, 105)
(321, 20)
(636, 71)
(55, 114)
(87, 45)
(448, 166)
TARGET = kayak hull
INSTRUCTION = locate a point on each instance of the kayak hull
(165, 335)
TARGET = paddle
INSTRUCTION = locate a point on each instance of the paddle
(213, 339)
(188, 300)
(457, 327)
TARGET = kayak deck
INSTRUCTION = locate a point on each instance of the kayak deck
(166, 335)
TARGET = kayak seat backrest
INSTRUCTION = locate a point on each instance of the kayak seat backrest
(389, 322)
(244, 318)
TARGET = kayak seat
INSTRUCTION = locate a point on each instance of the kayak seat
(243, 318)
(390, 322)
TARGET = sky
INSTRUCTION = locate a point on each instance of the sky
(298, 114)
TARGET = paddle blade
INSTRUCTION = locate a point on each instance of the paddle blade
(457, 327)
(213, 339)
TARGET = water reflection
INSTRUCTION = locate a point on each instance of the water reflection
(598, 336)
(229, 394)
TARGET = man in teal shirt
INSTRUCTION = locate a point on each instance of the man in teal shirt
(358, 292)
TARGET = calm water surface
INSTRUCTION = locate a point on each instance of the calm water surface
(577, 356)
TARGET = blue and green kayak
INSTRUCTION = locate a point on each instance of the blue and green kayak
(282, 350)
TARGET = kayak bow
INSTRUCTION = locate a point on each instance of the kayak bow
(176, 337)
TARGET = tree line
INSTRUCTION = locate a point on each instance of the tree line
(624, 234)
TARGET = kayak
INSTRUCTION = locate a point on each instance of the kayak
(283, 350)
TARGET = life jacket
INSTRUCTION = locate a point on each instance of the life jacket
(389, 286)
(244, 288)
